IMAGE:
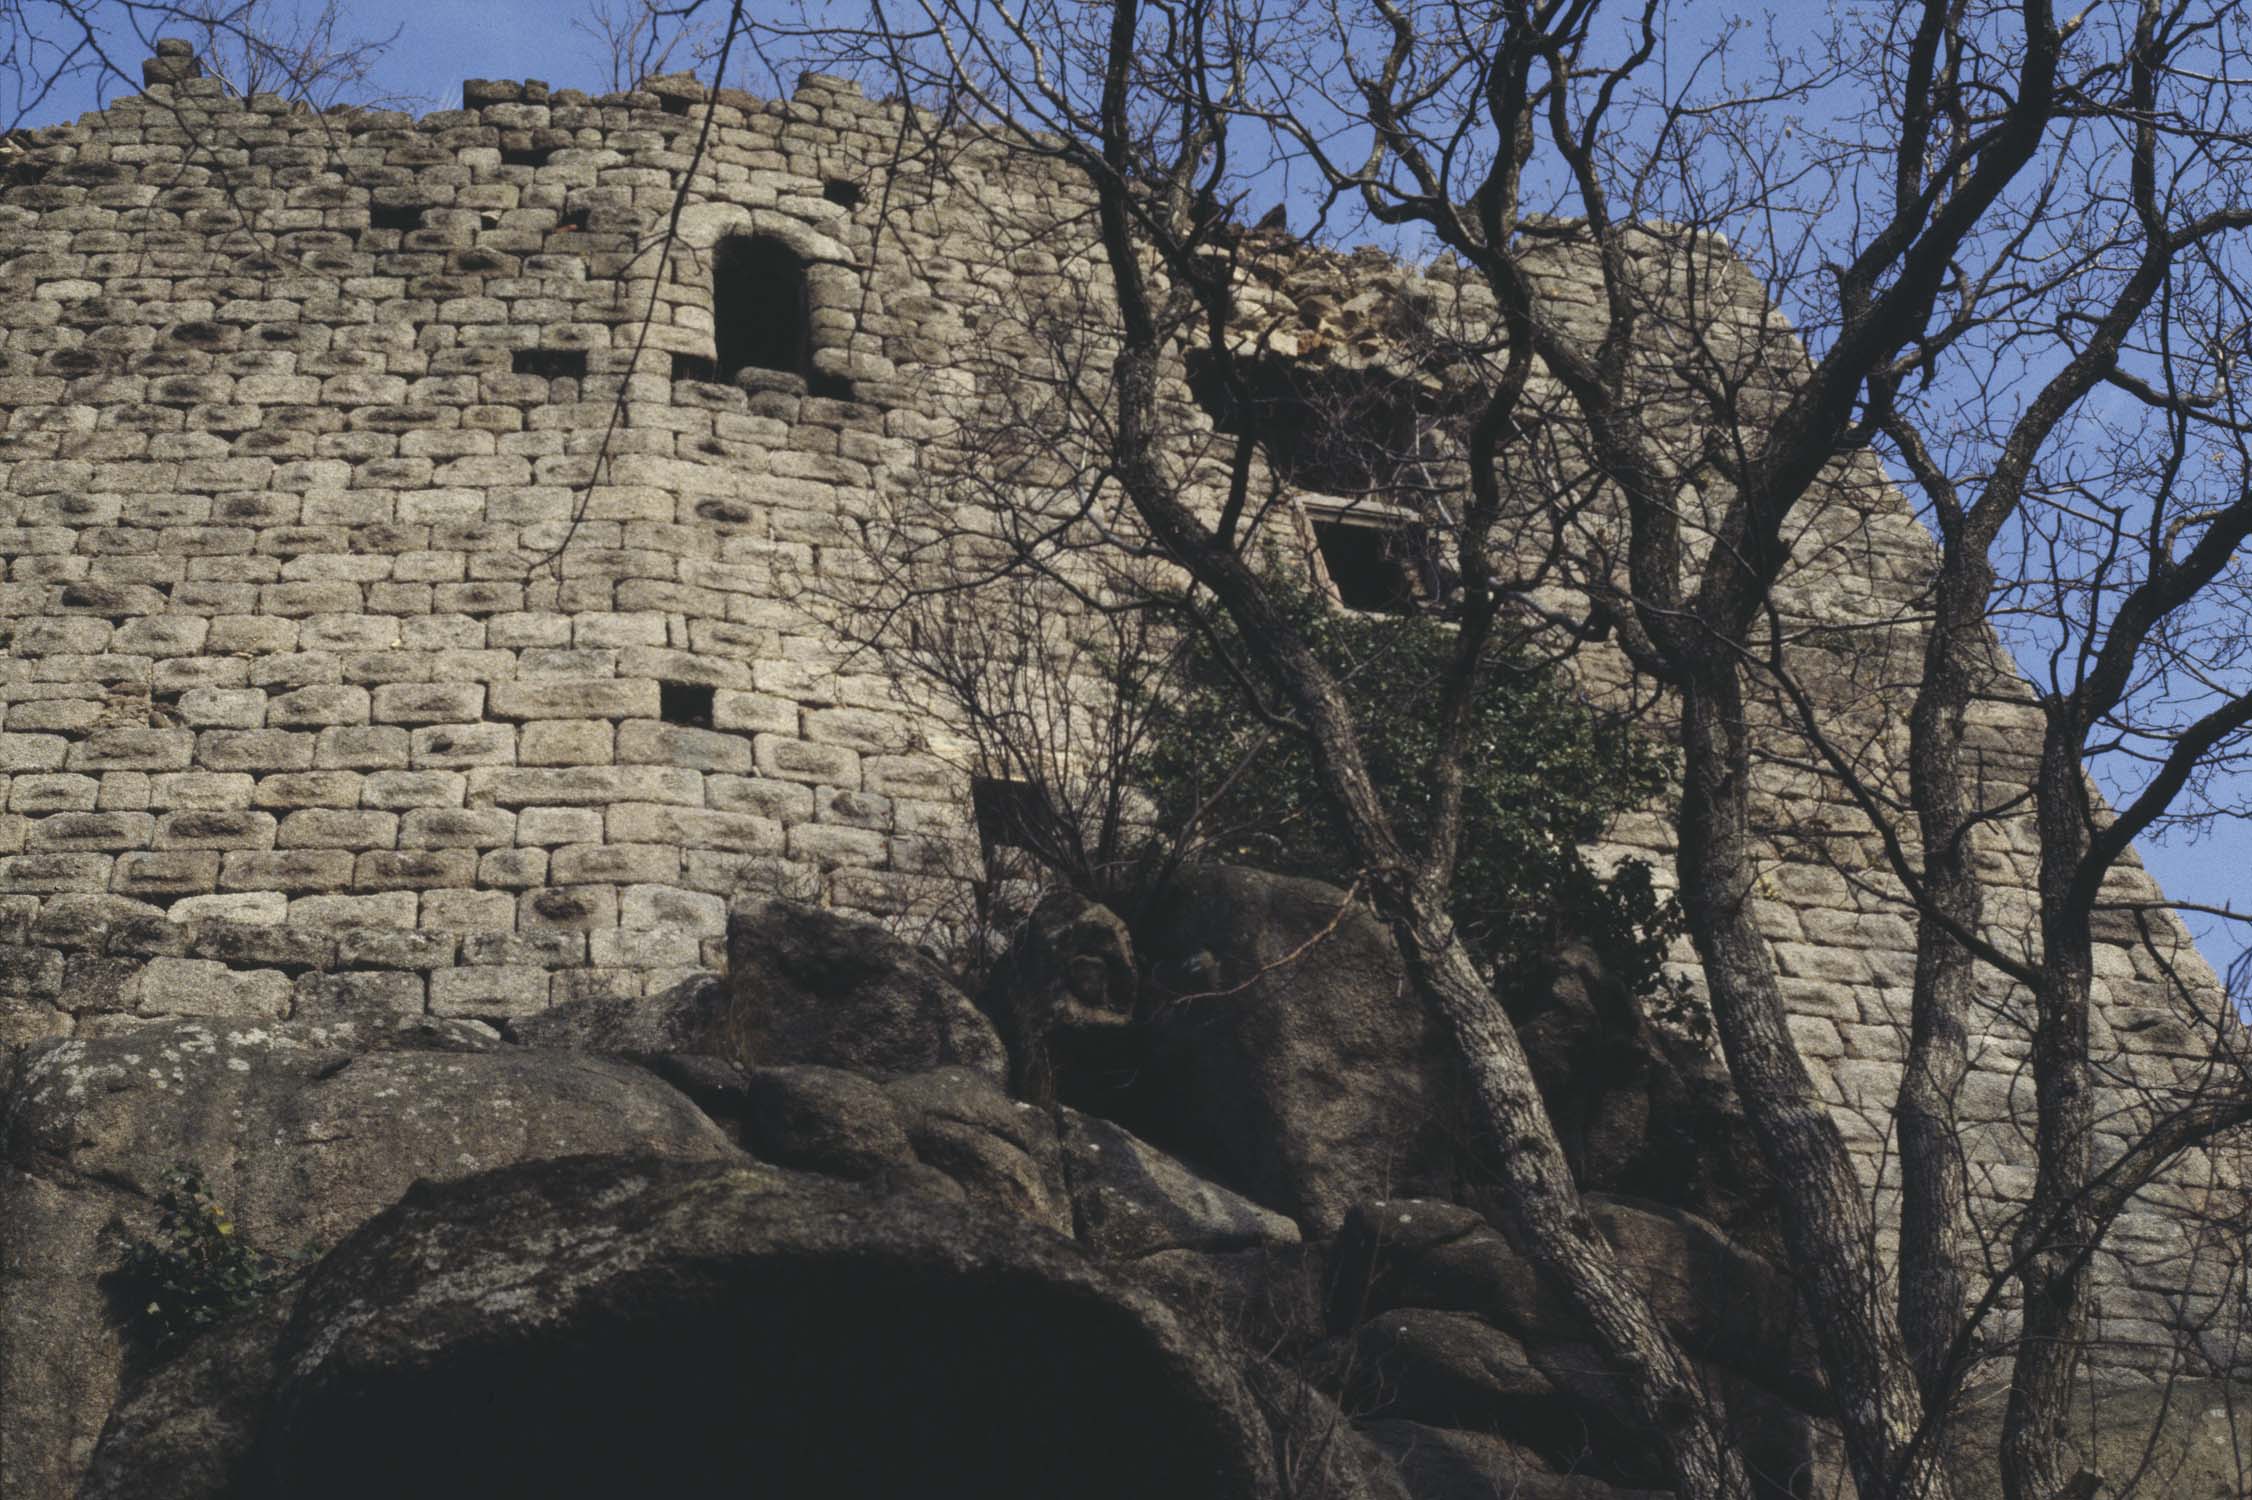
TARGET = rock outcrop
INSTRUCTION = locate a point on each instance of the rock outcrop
(686, 1327)
(803, 1227)
(304, 1131)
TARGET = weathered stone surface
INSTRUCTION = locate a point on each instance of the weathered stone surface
(1640, 1108)
(1443, 1463)
(1722, 1301)
(687, 1324)
(810, 986)
(302, 1130)
(1002, 1151)
(1447, 1369)
(1130, 1199)
(688, 1018)
(1421, 1252)
(823, 1120)
(1061, 996)
(1301, 1073)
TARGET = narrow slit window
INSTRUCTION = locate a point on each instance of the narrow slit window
(395, 216)
(686, 703)
(549, 363)
(761, 311)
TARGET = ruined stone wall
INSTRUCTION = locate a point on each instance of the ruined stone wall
(337, 675)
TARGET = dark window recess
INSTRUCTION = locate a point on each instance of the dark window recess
(1332, 431)
(688, 703)
(525, 156)
(1374, 565)
(844, 194)
(574, 221)
(762, 316)
(1010, 815)
(550, 363)
(830, 387)
(395, 216)
(675, 104)
(693, 367)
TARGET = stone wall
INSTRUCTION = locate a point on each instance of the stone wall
(339, 678)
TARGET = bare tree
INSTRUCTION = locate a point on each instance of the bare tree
(1996, 215)
(638, 38)
(253, 46)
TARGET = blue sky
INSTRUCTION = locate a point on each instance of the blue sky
(441, 42)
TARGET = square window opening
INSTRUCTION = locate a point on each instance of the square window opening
(401, 216)
(574, 222)
(551, 363)
(675, 104)
(842, 193)
(685, 703)
(1372, 566)
(1010, 814)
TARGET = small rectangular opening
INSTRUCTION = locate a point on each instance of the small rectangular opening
(551, 364)
(395, 215)
(1368, 564)
(829, 387)
(842, 193)
(525, 156)
(688, 703)
(574, 221)
(694, 367)
(675, 104)
(1010, 814)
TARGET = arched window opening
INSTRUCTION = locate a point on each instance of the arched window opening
(761, 314)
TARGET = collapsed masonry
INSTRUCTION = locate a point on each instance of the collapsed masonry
(341, 681)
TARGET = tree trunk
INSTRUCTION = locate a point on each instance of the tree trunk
(2059, 1231)
(1826, 1221)
(1934, 1213)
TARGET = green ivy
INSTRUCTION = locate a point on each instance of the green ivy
(197, 1270)
(1546, 773)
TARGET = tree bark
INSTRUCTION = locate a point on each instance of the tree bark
(2059, 1232)
(1827, 1228)
(1934, 1212)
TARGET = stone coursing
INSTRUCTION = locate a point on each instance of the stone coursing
(336, 669)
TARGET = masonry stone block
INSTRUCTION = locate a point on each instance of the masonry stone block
(568, 698)
(567, 742)
(53, 793)
(202, 987)
(349, 995)
(131, 750)
(653, 906)
(292, 870)
(428, 703)
(456, 745)
(797, 760)
(415, 869)
(333, 914)
(152, 876)
(493, 990)
(247, 906)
